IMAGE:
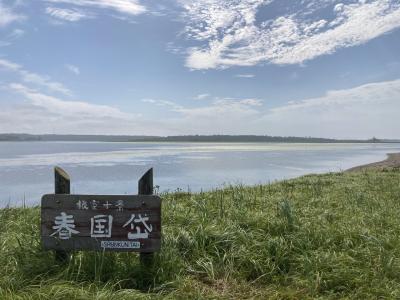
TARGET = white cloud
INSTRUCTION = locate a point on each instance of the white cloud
(41, 113)
(368, 93)
(65, 109)
(222, 116)
(7, 16)
(14, 35)
(33, 78)
(44, 81)
(166, 103)
(73, 69)
(202, 96)
(245, 75)
(71, 15)
(231, 35)
(252, 102)
(360, 112)
(6, 64)
(222, 109)
(130, 7)
(147, 100)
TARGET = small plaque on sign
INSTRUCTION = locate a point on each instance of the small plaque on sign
(99, 222)
(120, 245)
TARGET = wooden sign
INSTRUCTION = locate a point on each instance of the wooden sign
(101, 222)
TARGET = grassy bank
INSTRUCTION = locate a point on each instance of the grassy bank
(319, 236)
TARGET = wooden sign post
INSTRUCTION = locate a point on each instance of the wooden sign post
(101, 222)
(62, 185)
(145, 187)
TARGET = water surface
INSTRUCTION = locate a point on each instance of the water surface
(26, 168)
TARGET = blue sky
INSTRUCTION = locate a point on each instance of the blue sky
(322, 68)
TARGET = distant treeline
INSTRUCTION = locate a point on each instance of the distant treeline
(182, 138)
(71, 138)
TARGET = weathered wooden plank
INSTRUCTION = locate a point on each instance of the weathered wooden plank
(117, 229)
(129, 201)
(82, 243)
(82, 218)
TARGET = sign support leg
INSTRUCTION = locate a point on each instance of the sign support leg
(62, 185)
(146, 188)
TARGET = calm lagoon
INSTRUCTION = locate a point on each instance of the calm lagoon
(26, 168)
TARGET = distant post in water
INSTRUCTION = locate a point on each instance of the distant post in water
(145, 187)
(62, 185)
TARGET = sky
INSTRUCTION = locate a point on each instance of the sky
(322, 68)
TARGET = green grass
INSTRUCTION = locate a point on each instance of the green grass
(316, 237)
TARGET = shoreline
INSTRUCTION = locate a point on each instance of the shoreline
(391, 162)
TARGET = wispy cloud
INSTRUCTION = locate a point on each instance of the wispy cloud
(64, 14)
(159, 102)
(11, 37)
(30, 77)
(15, 34)
(41, 113)
(63, 108)
(130, 7)
(202, 96)
(9, 65)
(368, 93)
(364, 111)
(223, 109)
(245, 76)
(231, 34)
(7, 16)
(221, 115)
(226, 116)
(251, 102)
(360, 112)
(74, 69)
